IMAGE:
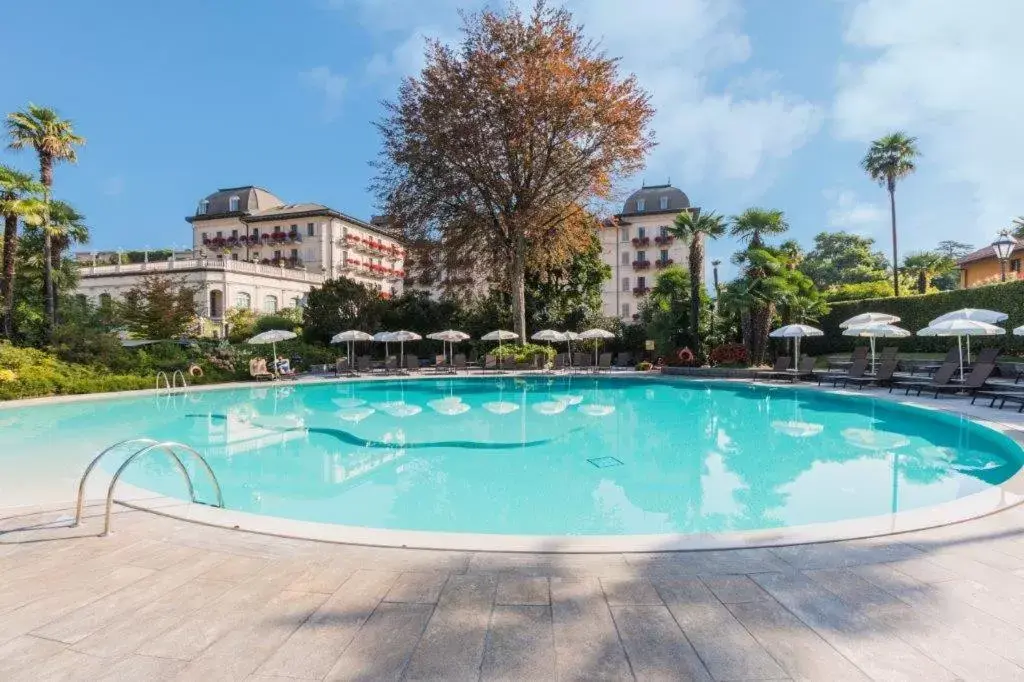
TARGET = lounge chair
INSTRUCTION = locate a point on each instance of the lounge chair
(604, 361)
(857, 369)
(390, 365)
(1002, 397)
(859, 353)
(952, 355)
(883, 377)
(441, 364)
(624, 360)
(490, 362)
(459, 363)
(805, 368)
(975, 381)
(342, 366)
(781, 363)
(560, 362)
(942, 377)
(412, 363)
(987, 356)
(258, 370)
(581, 361)
(363, 364)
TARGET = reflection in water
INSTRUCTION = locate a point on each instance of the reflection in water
(480, 456)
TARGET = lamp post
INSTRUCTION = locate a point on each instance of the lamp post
(1003, 248)
(714, 273)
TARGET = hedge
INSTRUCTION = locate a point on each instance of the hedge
(915, 312)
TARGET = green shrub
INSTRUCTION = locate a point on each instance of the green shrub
(916, 312)
(523, 353)
(27, 372)
(643, 366)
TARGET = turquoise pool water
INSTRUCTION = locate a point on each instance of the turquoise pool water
(548, 456)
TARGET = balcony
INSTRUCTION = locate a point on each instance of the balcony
(641, 264)
(663, 263)
(292, 263)
(641, 291)
(664, 240)
(641, 241)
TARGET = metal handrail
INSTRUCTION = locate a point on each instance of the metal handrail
(167, 383)
(174, 382)
(149, 445)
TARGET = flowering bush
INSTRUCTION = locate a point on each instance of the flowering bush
(728, 354)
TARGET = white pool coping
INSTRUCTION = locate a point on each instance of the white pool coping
(983, 503)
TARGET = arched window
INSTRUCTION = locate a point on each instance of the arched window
(270, 304)
(233, 204)
(104, 300)
(243, 300)
(204, 206)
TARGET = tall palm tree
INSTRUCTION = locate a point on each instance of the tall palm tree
(694, 226)
(67, 226)
(19, 194)
(792, 252)
(889, 160)
(54, 140)
(925, 265)
(755, 223)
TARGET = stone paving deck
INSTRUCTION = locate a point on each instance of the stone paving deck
(163, 599)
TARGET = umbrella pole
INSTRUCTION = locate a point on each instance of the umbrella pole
(872, 340)
(968, 350)
(796, 352)
(274, 346)
(960, 348)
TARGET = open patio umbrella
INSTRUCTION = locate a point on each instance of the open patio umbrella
(960, 329)
(549, 335)
(874, 331)
(349, 338)
(976, 314)
(449, 336)
(569, 338)
(401, 337)
(499, 335)
(796, 332)
(596, 335)
(272, 336)
(385, 338)
(869, 318)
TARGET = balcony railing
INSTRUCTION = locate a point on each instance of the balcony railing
(641, 241)
(273, 239)
(282, 269)
(641, 291)
(641, 264)
(663, 263)
(372, 246)
(664, 240)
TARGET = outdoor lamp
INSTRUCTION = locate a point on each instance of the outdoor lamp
(1003, 248)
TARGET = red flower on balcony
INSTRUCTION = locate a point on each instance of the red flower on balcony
(641, 291)
(663, 262)
(641, 241)
(641, 264)
(667, 239)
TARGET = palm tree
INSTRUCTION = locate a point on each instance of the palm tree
(792, 252)
(924, 266)
(54, 140)
(889, 160)
(754, 223)
(67, 226)
(694, 227)
(18, 200)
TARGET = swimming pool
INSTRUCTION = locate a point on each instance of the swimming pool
(558, 456)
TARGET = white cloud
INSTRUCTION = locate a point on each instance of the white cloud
(331, 86)
(947, 73)
(849, 213)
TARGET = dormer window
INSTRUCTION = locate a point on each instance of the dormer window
(233, 204)
(640, 205)
(664, 203)
(204, 206)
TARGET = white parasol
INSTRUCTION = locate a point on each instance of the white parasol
(349, 338)
(499, 335)
(596, 335)
(451, 336)
(874, 331)
(796, 332)
(272, 336)
(869, 318)
(401, 337)
(976, 314)
(961, 328)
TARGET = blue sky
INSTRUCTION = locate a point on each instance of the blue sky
(763, 102)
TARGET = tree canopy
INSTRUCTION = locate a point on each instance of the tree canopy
(500, 144)
(159, 308)
(840, 258)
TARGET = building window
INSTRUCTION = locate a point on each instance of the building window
(255, 233)
(1015, 265)
(641, 256)
(243, 300)
(256, 256)
(233, 204)
(625, 257)
(663, 231)
(234, 234)
(623, 234)
(641, 232)
(270, 304)
(625, 283)
(205, 236)
(294, 229)
(310, 230)
(234, 256)
(295, 254)
(663, 203)
(220, 234)
(625, 310)
(204, 206)
(640, 205)
(664, 255)
(296, 302)
(641, 282)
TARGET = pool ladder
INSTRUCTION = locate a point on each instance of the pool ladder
(147, 445)
(172, 384)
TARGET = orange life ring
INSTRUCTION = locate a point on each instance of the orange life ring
(195, 370)
(685, 354)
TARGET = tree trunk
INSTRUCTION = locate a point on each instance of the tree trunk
(49, 295)
(895, 250)
(761, 321)
(518, 285)
(7, 284)
(696, 282)
(922, 282)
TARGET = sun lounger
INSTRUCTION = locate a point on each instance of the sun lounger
(1002, 397)
(859, 353)
(942, 377)
(258, 370)
(441, 364)
(857, 369)
(781, 363)
(412, 363)
(881, 378)
(952, 355)
(804, 369)
(459, 362)
(975, 381)
(363, 364)
(624, 361)
(604, 362)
